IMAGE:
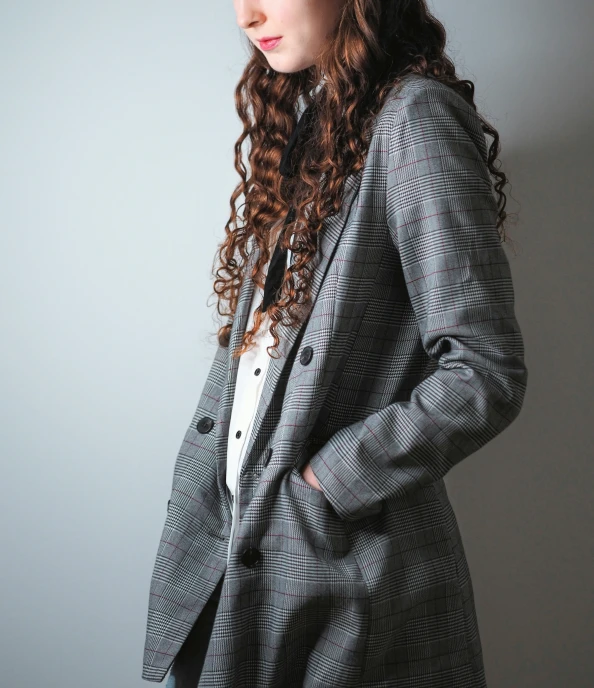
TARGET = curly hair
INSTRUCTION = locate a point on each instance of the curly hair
(374, 45)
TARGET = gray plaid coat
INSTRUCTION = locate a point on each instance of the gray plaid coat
(410, 360)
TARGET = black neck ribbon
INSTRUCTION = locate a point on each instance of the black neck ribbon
(288, 168)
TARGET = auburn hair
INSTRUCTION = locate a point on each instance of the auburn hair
(374, 45)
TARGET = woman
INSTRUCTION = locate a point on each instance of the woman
(371, 346)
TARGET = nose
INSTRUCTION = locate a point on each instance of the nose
(247, 13)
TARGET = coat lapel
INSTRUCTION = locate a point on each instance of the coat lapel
(327, 242)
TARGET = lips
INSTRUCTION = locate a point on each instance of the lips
(270, 42)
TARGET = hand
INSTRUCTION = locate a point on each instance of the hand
(309, 476)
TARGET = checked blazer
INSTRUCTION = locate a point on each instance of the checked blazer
(410, 360)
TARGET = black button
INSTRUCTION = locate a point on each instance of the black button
(306, 355)
(257, 371)
(250, 557)
(268, 457)
(205, 424)
(238, 434)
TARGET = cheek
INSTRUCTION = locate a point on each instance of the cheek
(299, 17)
(287, 21)
(304, 22)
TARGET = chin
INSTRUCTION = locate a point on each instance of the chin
(287, 67)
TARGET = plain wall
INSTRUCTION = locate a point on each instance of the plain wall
(117, 131)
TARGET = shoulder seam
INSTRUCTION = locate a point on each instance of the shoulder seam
(407, 91)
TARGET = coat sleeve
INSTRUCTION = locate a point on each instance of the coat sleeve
(441, 214)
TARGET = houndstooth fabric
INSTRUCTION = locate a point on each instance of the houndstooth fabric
(411, 359)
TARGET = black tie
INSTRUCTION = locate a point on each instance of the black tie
(288, 168)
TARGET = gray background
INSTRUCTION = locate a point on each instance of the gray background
(117, 133)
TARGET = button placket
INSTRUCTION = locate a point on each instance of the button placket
(248, 393)
(250, 396)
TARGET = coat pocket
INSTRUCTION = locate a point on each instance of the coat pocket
(312, 518)
(296, 475)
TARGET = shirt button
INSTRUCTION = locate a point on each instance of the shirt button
(238, 434)
(257, 371)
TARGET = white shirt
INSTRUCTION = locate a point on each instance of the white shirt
(251, 374)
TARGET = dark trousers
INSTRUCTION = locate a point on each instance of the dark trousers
(187, 665)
